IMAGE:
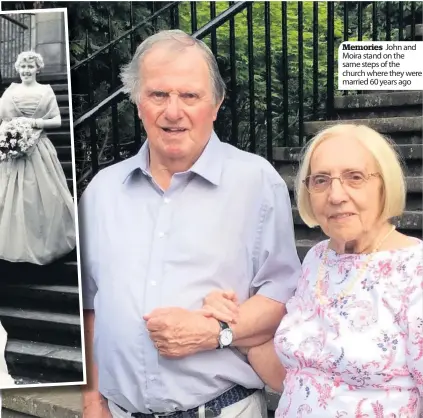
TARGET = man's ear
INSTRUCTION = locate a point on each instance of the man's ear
(216, 110)
(139, 110)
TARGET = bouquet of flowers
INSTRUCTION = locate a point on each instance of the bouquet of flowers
(17, 137)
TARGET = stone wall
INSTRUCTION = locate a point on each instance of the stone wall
(50, 41)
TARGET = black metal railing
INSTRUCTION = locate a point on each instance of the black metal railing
(279, 61)
(15, 37)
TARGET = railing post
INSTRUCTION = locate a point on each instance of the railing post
(401, 21)
(269, 108)
(213, 32)
(300, 76)
(330, 61)
(193, 16)
(113, 85)
(374, 20)
(315, 58)
(252, 147)
(388, 21)
(285, 73)
(92, 124)
(233, 94)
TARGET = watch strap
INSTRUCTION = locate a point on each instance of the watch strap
(223, 326)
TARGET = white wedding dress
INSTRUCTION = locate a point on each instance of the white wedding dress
(6, 380)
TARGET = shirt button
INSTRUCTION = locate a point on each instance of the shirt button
(153, 283)
(161, 234)
(166, 200)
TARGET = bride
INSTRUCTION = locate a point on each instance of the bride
(36, 208)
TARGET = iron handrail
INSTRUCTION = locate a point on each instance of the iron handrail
(199, 34)
(128, 32)
(14, 21)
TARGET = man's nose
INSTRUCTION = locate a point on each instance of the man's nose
(337, 193)
(173, 109)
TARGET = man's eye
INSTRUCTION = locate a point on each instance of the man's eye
(159, 94)
(189, 96)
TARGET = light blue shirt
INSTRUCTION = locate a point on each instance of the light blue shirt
(225, 223)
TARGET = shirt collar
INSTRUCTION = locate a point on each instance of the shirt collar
(209, 165)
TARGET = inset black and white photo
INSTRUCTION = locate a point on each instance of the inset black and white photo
(40, 318)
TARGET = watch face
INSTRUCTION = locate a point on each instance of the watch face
(226, 337)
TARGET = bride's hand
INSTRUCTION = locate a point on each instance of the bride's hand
(222, 305)
(24, 119)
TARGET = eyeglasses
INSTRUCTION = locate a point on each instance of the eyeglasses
(317, 183)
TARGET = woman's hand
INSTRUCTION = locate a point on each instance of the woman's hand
(222, 305)
(35, 123)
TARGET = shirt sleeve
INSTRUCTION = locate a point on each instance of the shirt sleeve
(87, 241)
(277, 267)
(414, 340)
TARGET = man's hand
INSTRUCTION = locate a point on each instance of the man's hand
(96, 409)
(177, 332)
(222, 305)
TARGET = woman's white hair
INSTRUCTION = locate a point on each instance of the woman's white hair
(29, 56)
(383, 151)
(131, 74)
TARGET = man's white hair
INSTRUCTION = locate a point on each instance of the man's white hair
(131, 74)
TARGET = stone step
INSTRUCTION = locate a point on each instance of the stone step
(304, 245)
(286, 159)
(59, 78)
(69, 182)
(66, 402)
(414, 191)
(67, 168)
(418, 32)
(7, 413)
(45, 361)
(62, 99)
(60, 88)
(41, 326)
(380, 100)
(50, 402)
(65, 126)
(64, 152)
(60, 138)
(410, 223)
(64, 111)
(61, 272)
(395, 127)
(379, 105)
(414, 184)
(409, 220)
(51, 298)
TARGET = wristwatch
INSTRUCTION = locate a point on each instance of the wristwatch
(225, 335)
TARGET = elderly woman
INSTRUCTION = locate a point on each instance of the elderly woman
(36, 207)
(352, 339)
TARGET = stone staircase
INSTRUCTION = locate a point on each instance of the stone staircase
(397, 115)
(39, 305)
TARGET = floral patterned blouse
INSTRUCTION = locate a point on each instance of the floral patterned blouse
(361, 356)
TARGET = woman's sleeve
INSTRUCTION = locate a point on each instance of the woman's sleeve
(52, 106)
(414, 314)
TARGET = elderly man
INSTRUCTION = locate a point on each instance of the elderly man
(162, 230)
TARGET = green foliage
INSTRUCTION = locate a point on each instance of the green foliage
(92, 19)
